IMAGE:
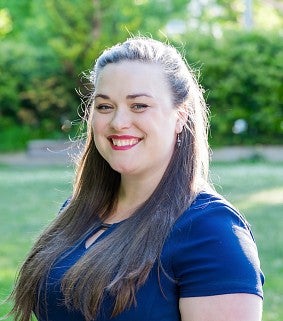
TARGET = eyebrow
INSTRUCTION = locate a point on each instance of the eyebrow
(101, 96)
(132, 96)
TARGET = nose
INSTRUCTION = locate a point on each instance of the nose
(121, 119)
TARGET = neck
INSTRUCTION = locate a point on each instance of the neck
(133, 192)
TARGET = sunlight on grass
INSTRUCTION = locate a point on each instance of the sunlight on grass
(269, 196)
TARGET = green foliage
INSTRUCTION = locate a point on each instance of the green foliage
(48, 44)
(41, 64)
(242, 75)
(35, 97)
(17, 12)
(5, 22)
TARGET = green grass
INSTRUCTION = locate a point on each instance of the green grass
(31, 196)
(257, 190)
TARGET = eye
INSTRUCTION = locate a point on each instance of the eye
(139, 107)
(103, 108)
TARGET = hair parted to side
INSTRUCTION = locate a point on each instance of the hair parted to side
(122, 262)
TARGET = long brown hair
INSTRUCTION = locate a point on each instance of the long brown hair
(122, 262)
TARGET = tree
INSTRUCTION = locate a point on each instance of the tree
(52, 42)
(214, 16)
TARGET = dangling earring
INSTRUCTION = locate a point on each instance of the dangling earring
(178, 140)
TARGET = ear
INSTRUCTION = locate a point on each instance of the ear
(182, 117)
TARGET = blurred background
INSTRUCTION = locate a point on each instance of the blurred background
(236, 50)
(235, 46)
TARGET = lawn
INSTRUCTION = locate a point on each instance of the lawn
(31, 196)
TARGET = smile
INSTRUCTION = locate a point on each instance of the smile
(123, 142)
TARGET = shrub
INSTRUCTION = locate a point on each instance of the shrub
(242, 73)
(35, 97)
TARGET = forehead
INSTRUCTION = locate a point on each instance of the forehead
(131, 76)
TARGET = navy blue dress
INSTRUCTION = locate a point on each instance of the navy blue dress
(210, 251)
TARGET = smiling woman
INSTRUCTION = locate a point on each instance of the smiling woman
(134, 119)
(144, 236)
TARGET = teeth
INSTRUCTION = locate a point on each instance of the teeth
(125, 142)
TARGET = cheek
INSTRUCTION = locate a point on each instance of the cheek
(96, 132)
(97, 125)
(94, 129)
(99, 136)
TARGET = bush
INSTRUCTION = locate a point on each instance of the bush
(242, 73)
(35, 96)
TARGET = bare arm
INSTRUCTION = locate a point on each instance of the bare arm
(226, 307)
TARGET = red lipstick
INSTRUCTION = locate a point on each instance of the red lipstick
(123, 142)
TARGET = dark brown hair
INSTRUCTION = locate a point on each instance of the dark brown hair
(122, 262)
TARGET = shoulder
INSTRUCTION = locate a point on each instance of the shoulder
(210, 213)
(212, 250)
(209, 203)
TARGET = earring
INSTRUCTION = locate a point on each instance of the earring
(178, 140)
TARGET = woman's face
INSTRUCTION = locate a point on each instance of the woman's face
(133, 119)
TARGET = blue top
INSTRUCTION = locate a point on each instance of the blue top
(210, 251)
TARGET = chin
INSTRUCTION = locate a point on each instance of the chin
(124, 170)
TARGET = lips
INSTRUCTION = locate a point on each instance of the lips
(123, 142)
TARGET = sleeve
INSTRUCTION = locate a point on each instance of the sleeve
(216, 254)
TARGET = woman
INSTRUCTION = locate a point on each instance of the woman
(143, 236)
